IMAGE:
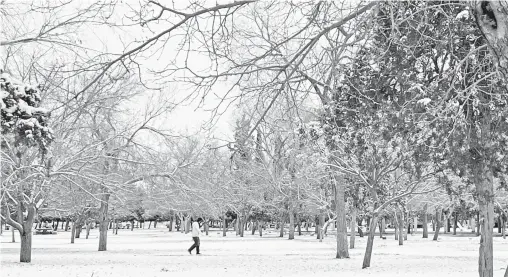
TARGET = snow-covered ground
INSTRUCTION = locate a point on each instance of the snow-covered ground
(156, 252)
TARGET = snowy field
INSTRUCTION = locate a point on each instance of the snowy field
(155, 252)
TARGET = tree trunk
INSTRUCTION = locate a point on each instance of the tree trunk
(360, 231)
(155, 224)
(370, 243)
(206, 227)
(381, 227)
(487, 12)
(170, 227)
(353, 229)
(281, 230)
(73, 231)
(415, 224)
(340, 209)
(503, 228)
(485, 190)
(260, 227)
(321, 224)
(291, 225)
(79, 227)
(88, 226)
(396, 226)
(67, 224)
(455, 224)
(150, 224)
(187, 225)
(438, 224)
(25, 255)
(401, 228)
(56, 226)
(299, 226)
(253, 228)
(224, 226)
(103, 219)
(425, 223)
(13, 234)
(478, 223)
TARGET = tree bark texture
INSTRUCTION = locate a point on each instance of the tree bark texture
(291, 224)
(103, 219)
(492, 18)
(370, 243)
(438, 224)
(353, 229)
(340, 206)
(425, 223)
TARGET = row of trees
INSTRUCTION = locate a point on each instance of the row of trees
(346, 111)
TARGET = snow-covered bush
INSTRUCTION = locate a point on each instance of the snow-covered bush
(22, 118)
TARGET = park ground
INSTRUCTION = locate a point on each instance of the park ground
(157, 252)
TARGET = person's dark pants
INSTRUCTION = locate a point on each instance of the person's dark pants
(195, 245)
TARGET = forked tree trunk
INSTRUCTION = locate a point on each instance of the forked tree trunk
(425, 223)
(496, 11)
(340, 209)
(79, 227)
(360, 231)
(321, 224)
(291, 225)
(438, 224)
(353, 229)
(103, 219)
(370, 243)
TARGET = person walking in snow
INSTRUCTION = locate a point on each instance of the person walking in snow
(195, 236)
